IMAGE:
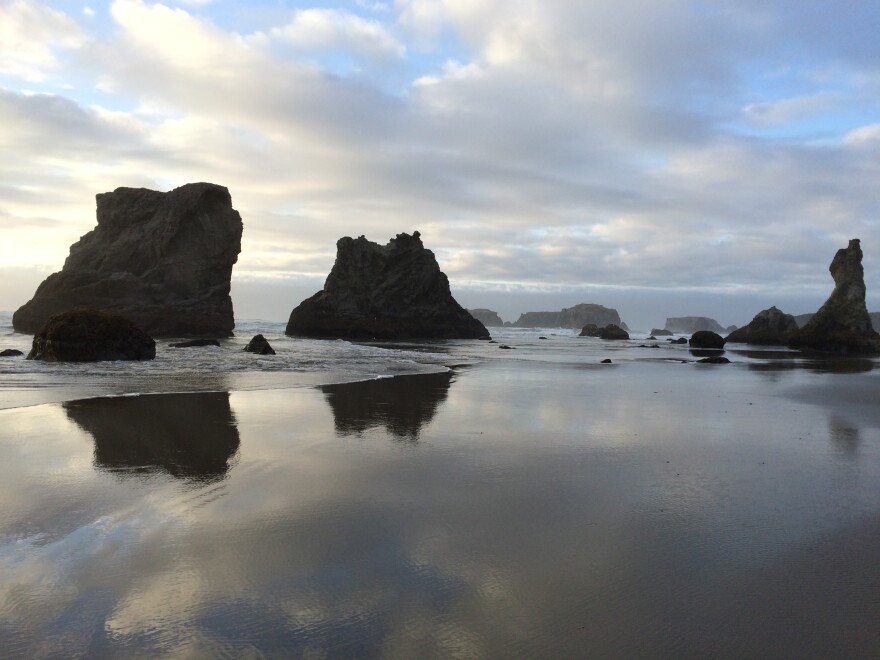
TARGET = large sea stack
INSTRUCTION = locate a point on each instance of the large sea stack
(571, 317)
(842, 324)
(394, 291)
(770, 327)
(162, 260)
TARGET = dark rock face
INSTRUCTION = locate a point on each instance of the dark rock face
(660, 333)
(487, 317)
(689, 324)
(680, 340)
(612, 331)
(91, 336)
(395, 291)
(706, 339)
(10, 352)
(163, 260)
(590, 330)
(842, 324)
(259, 345)
(195, 343)
(571, 317)
(770, 327)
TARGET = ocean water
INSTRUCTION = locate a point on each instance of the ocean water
(483, 502)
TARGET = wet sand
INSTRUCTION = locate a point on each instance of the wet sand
(503, 510)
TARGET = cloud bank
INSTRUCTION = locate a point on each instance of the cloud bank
(636, 151)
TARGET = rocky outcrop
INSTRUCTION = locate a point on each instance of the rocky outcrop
(91, 336)
(842, 324)
(571, 317)
(803, 318)
(10, 352)
(393, 291)
(770, 327)
(706, 339)
(590, 330)
(259, 345)
(612, 331)
(660, 333)
(714, 359)
(487, 317)
(195, 343)
(687, 325)
(162, 260)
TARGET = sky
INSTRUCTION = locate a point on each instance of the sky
(662, 157)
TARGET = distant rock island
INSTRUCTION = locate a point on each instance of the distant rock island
(393, 291)
(487, 317)
(162, 260)
(571, 317)
(685, 325)
(842, 324)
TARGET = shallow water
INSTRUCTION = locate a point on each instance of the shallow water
(516, 506)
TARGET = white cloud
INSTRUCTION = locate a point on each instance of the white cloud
(323, 29)
(30, 36)
(784, 111)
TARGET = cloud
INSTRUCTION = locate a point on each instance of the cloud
(30, 36)
(329, 29)
(789, 110)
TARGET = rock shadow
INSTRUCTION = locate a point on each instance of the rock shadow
(402, 404)
(189, 436)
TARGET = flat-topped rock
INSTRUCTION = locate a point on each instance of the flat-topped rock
(393, 291)
(842, 325)
(571, 317)
(91, 336)
(162, 260)
(487, 317)
(770, 327)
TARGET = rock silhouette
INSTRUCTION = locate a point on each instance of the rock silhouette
(687, 325)
(162, 260)
(771, 327)
(487, 317)
(259, 345)
(571, 317)
(91, 336)
(395, 291)
(706, 339)
(842, 325)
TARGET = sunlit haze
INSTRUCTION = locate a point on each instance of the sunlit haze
(663, 157)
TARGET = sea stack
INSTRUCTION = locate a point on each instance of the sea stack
(162, 260)
(842, 324)
(384, 292)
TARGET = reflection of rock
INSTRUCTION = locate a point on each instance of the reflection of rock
(191, 436)
(687, 325)
(571, 317)
(86, 335)
(163, 260)
(487, 317)
(842, 324)
(401, 404)
(771, 327)
(393, 291)
(843, 435)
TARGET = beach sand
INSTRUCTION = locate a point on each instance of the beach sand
(505, 509)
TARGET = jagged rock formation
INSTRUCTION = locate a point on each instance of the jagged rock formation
(803, 318)
(842, 324)
(90, 336)
(706, 339)
(162, 260)
(686, 325)
(395, 291)
(259, 345)
(590, 330)
(571, 317)
(770, 327)
(487, 317)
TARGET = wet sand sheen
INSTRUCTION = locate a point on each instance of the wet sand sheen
(502, 510)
